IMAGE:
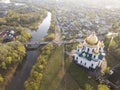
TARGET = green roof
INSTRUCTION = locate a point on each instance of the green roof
(87, 56)
(100, 56)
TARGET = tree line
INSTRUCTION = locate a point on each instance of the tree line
(36, 74)
(11, 54)
(28, 20)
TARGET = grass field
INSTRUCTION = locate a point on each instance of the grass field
(77, 77)
(52, 74)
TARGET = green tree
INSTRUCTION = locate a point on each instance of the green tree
(103, 87)
(107, 70)
(3, 65)
(1, 78)
(88, 87)
(9, 60)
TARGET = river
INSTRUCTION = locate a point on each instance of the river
(22, 73)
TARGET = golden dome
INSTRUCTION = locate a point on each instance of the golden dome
(102, 44)
(96, 51)
(92, 39)
(80, 45)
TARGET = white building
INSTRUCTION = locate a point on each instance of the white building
(90, 53)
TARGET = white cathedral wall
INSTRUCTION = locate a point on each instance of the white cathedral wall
(88, 64)
(91, 49)
(102, 50)
(75, 57)
(79, 50)
(95, 64)
(86, 48)
(96, 56)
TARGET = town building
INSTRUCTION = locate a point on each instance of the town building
(90, 53)
(4, 1)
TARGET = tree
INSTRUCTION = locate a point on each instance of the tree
(1, 78)
(9, 60)
(107, 70)
(3, 65)
(103, 87)
(88, 87)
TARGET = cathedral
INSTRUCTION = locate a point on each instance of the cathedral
(90, 53)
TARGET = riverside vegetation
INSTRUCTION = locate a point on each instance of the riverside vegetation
(13, 53)
(36, 74)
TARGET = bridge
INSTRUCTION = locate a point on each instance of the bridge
(34, 45)
(37, 44)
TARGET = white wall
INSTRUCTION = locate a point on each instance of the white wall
(88, 63)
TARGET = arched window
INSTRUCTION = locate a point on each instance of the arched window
(78, 50)
(88, 50)
(81, 62)
(77, 58)
(99, 48)
(94, 56)
(84, 47)
(91, 65)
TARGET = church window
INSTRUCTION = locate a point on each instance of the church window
(91, 65)
(88, 50)
(81, 62)
(77, 58)
(99, 48)
(84, 47)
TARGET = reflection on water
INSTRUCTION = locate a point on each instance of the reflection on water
(42, 30)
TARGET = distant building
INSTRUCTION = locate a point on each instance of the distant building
(90, 53)
(8, 35)
(4, 1)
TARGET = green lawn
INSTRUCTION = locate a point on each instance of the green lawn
(52, 76)
(77, 78)
(111, 60)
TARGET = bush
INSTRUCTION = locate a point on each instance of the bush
(88, 87)
(12, 52)
(1, 78)
(50, 37)
(107, 70)
(103, 87)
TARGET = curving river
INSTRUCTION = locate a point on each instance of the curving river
(22, 73)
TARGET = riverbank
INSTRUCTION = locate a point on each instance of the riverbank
(8, 76)
(22, 73)
(52, 29)
(11, 55)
